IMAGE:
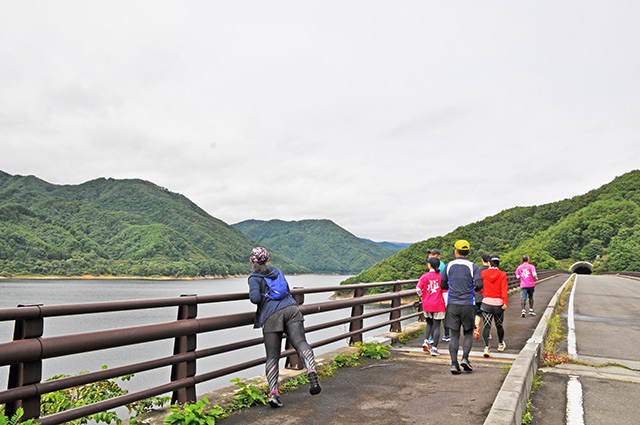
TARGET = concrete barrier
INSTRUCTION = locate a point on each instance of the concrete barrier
(511, 403)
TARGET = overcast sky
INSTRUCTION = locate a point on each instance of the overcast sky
(399, 121)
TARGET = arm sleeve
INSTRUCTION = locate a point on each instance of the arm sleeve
(477, 278)
(444, 280)
(505, 289)
(254, 289)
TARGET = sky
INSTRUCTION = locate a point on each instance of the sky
(399, 121)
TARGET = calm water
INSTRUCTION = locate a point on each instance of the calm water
(48, 292)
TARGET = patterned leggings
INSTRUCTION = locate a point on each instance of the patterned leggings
(273, 345)
(497, 315)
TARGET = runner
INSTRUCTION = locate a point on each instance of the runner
(461, 277)
(496, 293)
(485, 265)
(445, 294)
(433, 307)
(526, 272)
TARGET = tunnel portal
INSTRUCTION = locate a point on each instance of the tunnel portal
(581, 267)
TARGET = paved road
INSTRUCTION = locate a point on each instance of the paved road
(410, 387)
(606, 312)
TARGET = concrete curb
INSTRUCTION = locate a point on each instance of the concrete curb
(511, 402)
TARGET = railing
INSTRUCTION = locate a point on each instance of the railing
(623, 273)
(29, 348)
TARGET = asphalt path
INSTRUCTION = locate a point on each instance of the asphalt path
(606, 315)
(411, 387)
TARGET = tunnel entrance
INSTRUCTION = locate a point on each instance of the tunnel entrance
(581, 267)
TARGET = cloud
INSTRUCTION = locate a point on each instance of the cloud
(397, 122)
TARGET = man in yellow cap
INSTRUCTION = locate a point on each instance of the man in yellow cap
(462, 278)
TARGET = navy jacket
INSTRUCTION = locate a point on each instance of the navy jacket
(266, 306)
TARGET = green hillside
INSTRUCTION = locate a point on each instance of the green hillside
(320, 245)
(115, 227)
(601, 226)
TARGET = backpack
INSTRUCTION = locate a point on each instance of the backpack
(278, 287)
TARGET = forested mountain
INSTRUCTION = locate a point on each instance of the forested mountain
(601, 226)
(115, 227)
(320, 245)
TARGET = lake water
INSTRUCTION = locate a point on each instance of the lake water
(69, 291)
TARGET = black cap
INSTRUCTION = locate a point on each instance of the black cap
(434, 252)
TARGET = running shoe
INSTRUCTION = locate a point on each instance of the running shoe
(274, 400)
(426, 346)
(502, 346)
(466, 365)
(486, 352)
(524, 313)
(455, 369)
(430, 340)
(446, 338)
(490, 336)
(435, 352)
(531, 312)
(314, 384)
(476, 333)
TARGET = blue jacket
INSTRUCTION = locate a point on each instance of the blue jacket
(462, 278)
(266, 306)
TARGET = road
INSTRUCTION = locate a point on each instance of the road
(605, 313)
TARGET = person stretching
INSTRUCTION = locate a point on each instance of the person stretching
(276, 316)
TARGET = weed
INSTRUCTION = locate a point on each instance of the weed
(248, 394)
(193, 413)
(527, 417)
(373, 350)
(15, 419)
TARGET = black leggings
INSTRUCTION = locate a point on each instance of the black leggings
(273, 346)
(454, 344)
(432, 328)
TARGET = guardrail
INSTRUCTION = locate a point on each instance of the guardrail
(24, 355)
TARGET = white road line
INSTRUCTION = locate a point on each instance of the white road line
(571, 337)
(575, 410)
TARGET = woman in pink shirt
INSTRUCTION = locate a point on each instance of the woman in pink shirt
(433, 306)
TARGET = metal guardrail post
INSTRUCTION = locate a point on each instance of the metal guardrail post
(396, 302)
(185, 344)
(27, 373)
(294, 361)
(357, 324)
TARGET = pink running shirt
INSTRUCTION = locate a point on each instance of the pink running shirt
(432, 300)
(526, 273)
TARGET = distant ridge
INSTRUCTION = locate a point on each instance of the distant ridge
(394, 246)
(115, 227)
(320, 245)
(601, 226)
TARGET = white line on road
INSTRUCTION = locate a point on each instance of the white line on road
(571, 324)
(575, 410)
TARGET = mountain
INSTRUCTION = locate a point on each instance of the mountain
(320, 245)
(601, 226)
(394, 246)
(115, 227)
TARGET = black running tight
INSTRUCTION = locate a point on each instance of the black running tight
(273, 347)
(432, 328)
(454, 344)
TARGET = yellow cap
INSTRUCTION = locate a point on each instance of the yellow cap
(462, 245)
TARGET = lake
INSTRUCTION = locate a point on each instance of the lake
(70, 291)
